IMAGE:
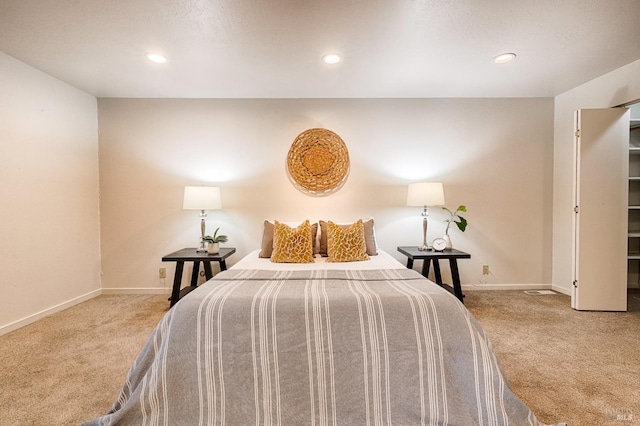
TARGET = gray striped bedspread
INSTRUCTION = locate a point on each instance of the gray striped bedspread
(381, 347)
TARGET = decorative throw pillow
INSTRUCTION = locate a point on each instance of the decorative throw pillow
(267, 239)
(369, 237)
(346, 244)
(292, 245)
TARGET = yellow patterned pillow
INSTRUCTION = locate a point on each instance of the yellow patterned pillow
(346, 244)
(292, 245)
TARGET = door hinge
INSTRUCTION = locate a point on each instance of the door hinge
(575, 283)
(576, 209)
(577, 133)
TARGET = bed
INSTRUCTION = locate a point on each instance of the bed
(348, 343)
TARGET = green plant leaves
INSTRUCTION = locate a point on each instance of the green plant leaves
(461, 222)
(216, 238)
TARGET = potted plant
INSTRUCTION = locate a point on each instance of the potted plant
(454, 217)
(213, 243)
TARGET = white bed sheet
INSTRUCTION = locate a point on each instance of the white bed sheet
(382, 261)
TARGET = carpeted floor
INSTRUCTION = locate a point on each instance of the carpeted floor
(69, 367)
(582, 368)
(579, 367)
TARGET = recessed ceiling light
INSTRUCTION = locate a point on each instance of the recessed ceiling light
(331, 58)
(154, 57)
(504, 58)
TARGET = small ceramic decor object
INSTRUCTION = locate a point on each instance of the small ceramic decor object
(213, 243)
(213, 248)
(318, 161)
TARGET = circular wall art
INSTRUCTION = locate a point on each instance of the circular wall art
(318, 161)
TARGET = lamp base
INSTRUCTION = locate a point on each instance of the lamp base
(425, 223)
(203, 244)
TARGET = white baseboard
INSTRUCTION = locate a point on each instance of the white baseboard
(49, 311)
(139, 290)
(472, 287)
(8, 328)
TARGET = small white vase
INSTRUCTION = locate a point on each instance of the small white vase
(448, 240)
(213, 248)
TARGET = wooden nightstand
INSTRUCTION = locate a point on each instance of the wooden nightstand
(190, 255)
(453, 255)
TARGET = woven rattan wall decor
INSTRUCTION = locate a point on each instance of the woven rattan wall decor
(318, 161)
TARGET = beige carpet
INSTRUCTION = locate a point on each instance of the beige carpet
(578, 367)
(69, 367)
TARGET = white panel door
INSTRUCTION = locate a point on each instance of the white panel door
(601, 218)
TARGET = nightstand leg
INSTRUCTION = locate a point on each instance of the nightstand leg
(207, 270)
(436, 271)
(426, 265)
(177, 280)
(223, 265)
(455, 277)
(409, 263)
(194, 273)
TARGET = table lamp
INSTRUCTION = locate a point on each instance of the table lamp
(202, 198)
(425, 194)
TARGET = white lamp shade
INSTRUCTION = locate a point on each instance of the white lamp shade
(202, 198)
(425, 194)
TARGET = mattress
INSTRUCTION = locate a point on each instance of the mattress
(382, 261)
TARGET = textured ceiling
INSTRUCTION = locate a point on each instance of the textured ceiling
(272, 49)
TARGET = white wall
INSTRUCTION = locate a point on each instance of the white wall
(49, 227)
(615, 88)
(494, 155)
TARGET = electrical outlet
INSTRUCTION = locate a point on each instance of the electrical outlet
(163, 272)
(485, 269)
